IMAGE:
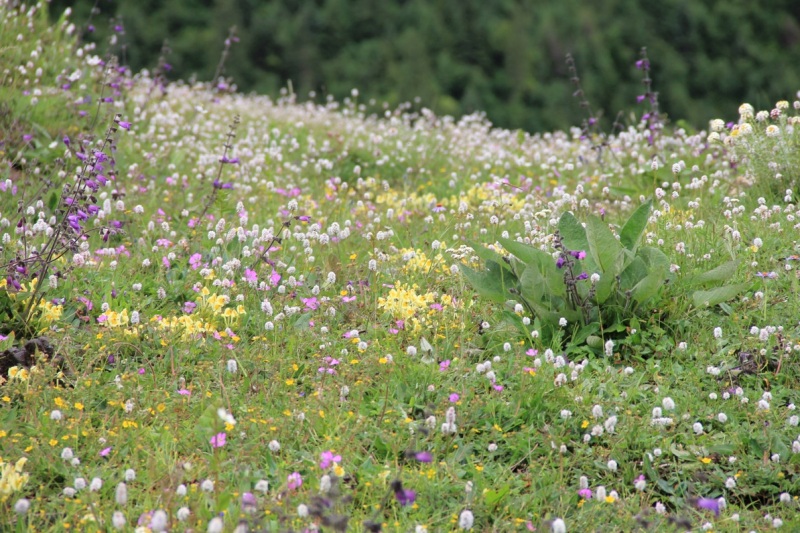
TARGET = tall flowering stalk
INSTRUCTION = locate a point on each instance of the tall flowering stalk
(651, 120)
(224, 160)
(77, 205)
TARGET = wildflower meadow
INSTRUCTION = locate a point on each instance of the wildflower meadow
(227, 312)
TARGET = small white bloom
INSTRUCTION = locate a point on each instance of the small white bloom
(118, 520)
(215, 525)
(183, 513)
(232, 366)
(668, 403)
(558, 526)
(21, 506)
(159, 521)
(121, 494)
(207, 485)
(562, 322)
(609, 348)
(466, 519)
(302, 510)
(274, 446)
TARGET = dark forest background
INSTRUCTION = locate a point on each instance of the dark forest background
(504, 57)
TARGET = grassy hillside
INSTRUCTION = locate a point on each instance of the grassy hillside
(230, 313)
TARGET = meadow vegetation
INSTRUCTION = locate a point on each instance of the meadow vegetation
(235, 313)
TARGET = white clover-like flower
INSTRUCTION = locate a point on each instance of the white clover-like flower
(466, 519)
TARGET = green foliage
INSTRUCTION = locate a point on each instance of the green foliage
(503, 57)
(599, 283)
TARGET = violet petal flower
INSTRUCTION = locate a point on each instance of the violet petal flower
(709, 504)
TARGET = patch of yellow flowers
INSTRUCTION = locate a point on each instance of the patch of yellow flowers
(12, 478)
(403, 302)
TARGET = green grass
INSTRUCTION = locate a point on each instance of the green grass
(317, 360)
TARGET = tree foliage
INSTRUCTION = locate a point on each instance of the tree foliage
(504, 57)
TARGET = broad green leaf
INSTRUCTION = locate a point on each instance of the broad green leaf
(647, 287)
(516, 321)
(533, 285)
(489, 255)
(722, 273)
(677, 452)
(604, 287)
(633, 274)
(544, 278)
(572, 232)
(717, 295)
(492, 283)
(585, 333)
(722, 449)
(495, 496)
(528, 255)
(524, 252)
(632, 231)
(655, 259)
(604, 247)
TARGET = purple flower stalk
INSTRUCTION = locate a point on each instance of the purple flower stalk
(709, 504)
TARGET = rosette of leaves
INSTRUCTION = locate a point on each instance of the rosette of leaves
(629, 282)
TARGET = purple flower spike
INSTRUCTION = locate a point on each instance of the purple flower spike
(249, 502)
(423, 457)
(405, 496)
(710, 504)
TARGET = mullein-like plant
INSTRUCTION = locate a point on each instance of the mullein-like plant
(596, 283)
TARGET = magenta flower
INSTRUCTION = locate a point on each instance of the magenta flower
(218, 440)
(274, 278)
(311, 303)
(105, 451)
(294, 481)
(328, 459)
(444, 365)
(184, 392)
(586, 494)
(454, 397)
(250, 275)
